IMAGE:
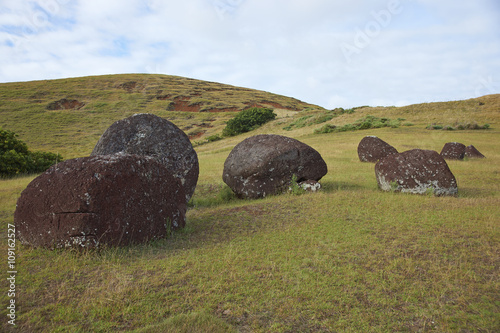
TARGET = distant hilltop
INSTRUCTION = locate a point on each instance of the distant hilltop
(149, 91)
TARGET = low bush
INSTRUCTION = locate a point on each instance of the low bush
(339, 111)
(299, 123)
(295, 188)
(319, 118)
(323, 118)
(215, 137)
(458, 126)
(248, 120)
(361, 124)
(434, 127)
(311, 120)
(16, 158)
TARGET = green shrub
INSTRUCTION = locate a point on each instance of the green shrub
(310, 120)
(248, 120)
(215, 137)
(299, 123)
(295, 188)
(459, 126)
(361, 124)
(394, 123)
(9, 141)
(328, 128)
(434, 127)
(339, 111)
(324, 118)
(15, 158)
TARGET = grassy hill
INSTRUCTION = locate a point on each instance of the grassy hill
(347, 259)
(200, 108)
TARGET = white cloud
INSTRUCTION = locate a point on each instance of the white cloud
(332, 53)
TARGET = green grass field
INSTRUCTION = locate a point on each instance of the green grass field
(349, 258)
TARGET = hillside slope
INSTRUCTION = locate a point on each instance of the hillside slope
(68, 116)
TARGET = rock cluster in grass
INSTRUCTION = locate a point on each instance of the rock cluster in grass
(133, 188)
(265, 164)
(458, 151)
(373, 149)
(416, 171)
(86, 202)
(148, 134)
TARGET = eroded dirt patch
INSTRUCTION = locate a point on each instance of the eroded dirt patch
(65, 104)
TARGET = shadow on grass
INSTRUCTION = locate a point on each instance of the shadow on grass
(217, 216)
(332, 186)
(475, 192)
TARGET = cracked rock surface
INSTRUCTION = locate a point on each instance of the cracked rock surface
(150, 135)
(264, 164)
(111, 199)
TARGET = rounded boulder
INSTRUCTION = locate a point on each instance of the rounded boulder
(373, 149)
(150, 135)
(265, 164)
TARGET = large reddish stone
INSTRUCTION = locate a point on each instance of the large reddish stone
(147, 134)
(373, 149)
(416, 171)
(113, 199)
(264, 164)
(472, 152)
(453, 151)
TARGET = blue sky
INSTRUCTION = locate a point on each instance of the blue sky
(328, 52)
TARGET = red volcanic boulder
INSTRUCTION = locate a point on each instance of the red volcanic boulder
(147, 134)
(113, 199)
(264, 164)
(373, 149)
(472, 152)
(453, 151)
(416, 171)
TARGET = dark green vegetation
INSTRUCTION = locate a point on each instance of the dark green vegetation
(468, 126)
(347, 259)
(318, 118)
(16, 159)
(248, 120)
(361, 124)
